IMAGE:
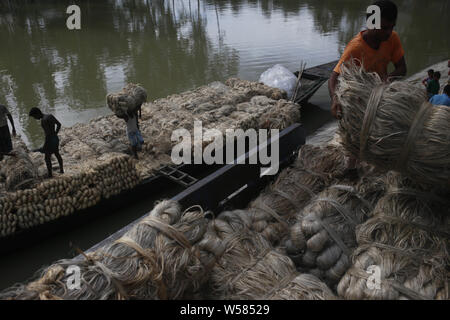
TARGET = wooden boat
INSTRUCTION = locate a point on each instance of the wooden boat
(232, 185)
(312, 79)
(221, 181)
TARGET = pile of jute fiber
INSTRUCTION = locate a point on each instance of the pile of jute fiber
(61, 196)
(323, 238)
(18, 171)
(172, 254)
(402, 249)
(156, 259)
(273, 210)
(392, 126)
(246, 266)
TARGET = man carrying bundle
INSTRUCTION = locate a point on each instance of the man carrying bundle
(375, 49)
(133, 133)
(5, 138)
(51, 145)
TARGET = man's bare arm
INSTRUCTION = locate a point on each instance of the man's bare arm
(332, 83)
(400, 69)
(12, 124)
(57, 123)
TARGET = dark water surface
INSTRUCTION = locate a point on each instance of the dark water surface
(169, 47)
(173, 46)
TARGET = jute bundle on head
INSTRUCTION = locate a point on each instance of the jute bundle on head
(154, 260)
(129, 99)
(402, 250)
(245, 265)
(393, 127)
(323, 238)
(315, 168)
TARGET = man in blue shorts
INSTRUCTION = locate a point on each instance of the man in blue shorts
(134, 135)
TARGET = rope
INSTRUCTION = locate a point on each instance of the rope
(416, 126)
(283, 284)
(390, 282)
(340, 208)
(354, 192)
(262, 256)
(336, 238)
(287, 197)
(272, 212)
(167, 230)
(150, 257)
(304, 188)
(414, 130)
(369, 117)
(433, 230)
(412, 192)
(411, 253)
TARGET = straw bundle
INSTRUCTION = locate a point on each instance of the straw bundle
(154, 260)
(128, 100)
(393, 127)
(407, 239)
(245, 266)
(323, 238)
(315, 168)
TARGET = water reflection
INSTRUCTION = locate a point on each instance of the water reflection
(162, 46)
(171, 46)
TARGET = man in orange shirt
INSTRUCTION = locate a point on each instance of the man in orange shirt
(375, 49)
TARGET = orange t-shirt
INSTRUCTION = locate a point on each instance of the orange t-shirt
(373, 60)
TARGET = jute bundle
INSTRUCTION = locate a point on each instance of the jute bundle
(89, 149)
(51, 199)
(315, 168)
(245, 265)
(19, 170)
(323, 238)
(8, 221)
(393, 127)
(256, 88)
(407, 241)
(128, 100)
(154, 260)
(304, 287)
(218, 106)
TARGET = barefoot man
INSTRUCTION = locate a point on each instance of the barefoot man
(51, 145)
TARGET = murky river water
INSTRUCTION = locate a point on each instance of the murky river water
(172, 46)
(169, 47)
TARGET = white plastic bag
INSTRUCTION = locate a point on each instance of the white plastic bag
(279, 77)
